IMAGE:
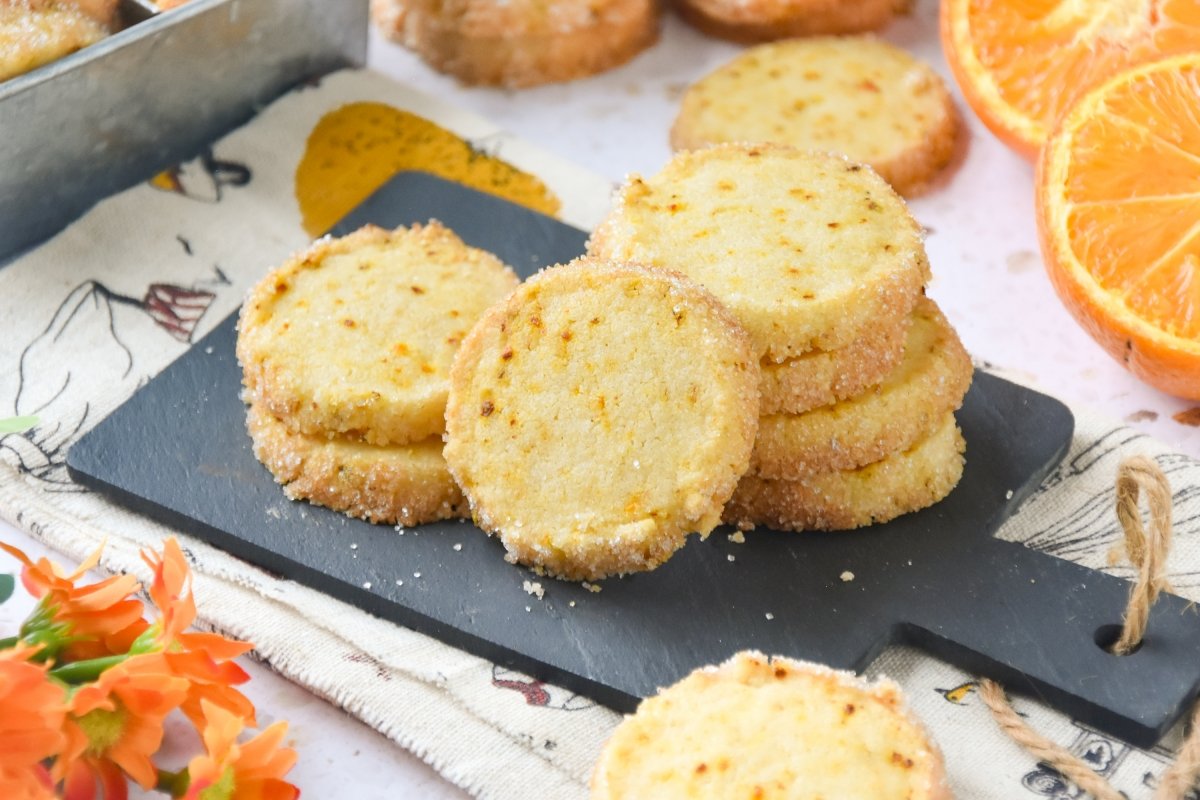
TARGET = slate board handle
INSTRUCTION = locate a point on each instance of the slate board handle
(995, 622)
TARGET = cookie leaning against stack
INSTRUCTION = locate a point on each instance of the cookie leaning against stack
(818, 257)
(773, 729)
(600, 414)
(346, 352)
(517, 43)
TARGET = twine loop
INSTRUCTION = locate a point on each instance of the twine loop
(1147, 549)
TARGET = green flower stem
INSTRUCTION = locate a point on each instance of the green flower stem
(84, 671)
(173, 783)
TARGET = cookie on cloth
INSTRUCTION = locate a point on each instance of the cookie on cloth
(765, 20)
(404, 484)
(929, 383)
(843, 499)
(823, 377)
(855, 95)
(600, 414)
(519, 43)
(808, 250)
(355, 336)
(773, 729)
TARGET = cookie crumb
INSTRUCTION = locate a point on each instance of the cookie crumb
(769, 615)
(848, 576)
(591, 587)
(458, 547)
(534, 588)
(367, 585)
(737, 537)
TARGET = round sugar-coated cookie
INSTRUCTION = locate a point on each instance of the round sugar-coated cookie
(843, 499)
(929, 382)
(808, 250)
(772, 729)
(518, 43)
(404, 484)
(765, 20)
(855, 95)
(822, 377)
(355, 336)
(598, 415)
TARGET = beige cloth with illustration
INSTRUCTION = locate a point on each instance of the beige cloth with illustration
(92, 314)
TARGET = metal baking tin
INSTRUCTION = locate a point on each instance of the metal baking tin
(152, 95)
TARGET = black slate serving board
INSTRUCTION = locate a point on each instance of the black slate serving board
(177, 451)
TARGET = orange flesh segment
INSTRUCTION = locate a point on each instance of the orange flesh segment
(1042, 55)
(1133, 196)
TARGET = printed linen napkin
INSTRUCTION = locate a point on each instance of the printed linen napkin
(95, 312)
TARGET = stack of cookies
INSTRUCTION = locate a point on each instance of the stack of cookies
(346, 352)
(820, 261)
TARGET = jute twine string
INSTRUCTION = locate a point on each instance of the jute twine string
(1148, 551)
(1067, 763)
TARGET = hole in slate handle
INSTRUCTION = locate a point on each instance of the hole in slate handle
(1106, 636)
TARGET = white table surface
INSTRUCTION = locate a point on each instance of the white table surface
(988, 277)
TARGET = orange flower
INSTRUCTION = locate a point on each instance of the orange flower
(34, 707)
(81, 622)
(119, 718)
(88, 773)
(204, 659)
(210, 681)
(30, 783)
(229, 771)
(171, 590)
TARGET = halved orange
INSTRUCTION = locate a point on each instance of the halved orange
(1022, 63)
(1118, 205)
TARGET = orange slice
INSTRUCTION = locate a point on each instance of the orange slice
(1119, 219)
(1022, 63)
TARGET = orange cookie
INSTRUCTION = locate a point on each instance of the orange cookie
(929, 383)
(518, 43)
(600, 414)
(855, 95)
(809, 251)
(772, 729)
(393, 484)
(843, 499)
(355, 336)
(765, 20)
(823, 377)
